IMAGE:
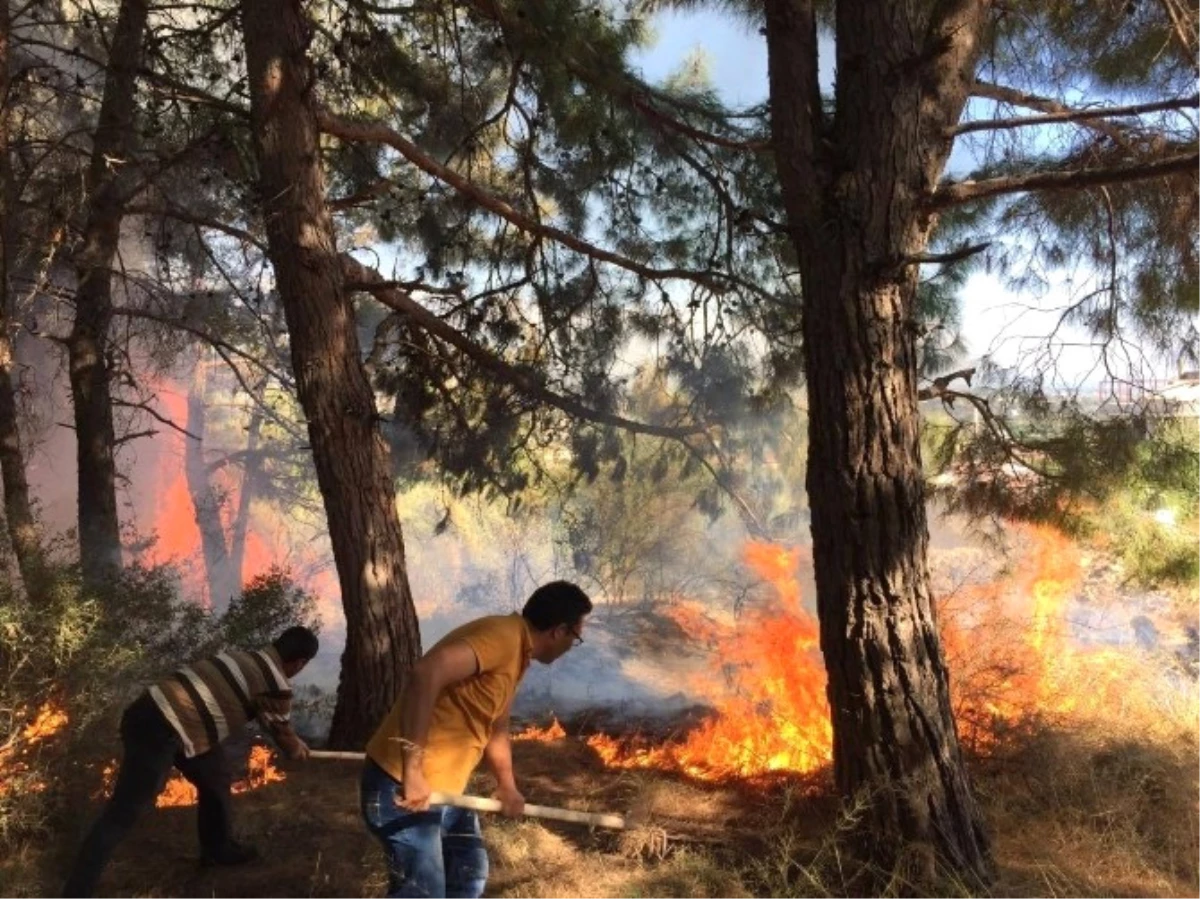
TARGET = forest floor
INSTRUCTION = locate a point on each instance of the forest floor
(1092, 790)
(1070, 813)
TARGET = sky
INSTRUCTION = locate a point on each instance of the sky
(996, 322)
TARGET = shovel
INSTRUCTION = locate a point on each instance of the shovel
(481, 804)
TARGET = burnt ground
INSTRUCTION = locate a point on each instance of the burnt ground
(313, 842)
(1069, 814)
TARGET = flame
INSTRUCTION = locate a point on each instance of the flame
(178, 791)
(50, 719)
(1008, 644)
(15, 758)
(548, 734)
(260, 771)
(165, 502)
(1010, 667)
(775, 717)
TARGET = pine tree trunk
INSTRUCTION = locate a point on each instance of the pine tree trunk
(222, 580)
(853, 188)
(18, 512)
(87, 344)
(382, 636)
(251, 470)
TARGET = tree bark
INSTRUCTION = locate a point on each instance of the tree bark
(87, 344)
(222, 579)
(856, 186)
(18, 511)
(251, 470)
(382, 635)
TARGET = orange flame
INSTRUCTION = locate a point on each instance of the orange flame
(776, 718)
(15, 759)
(178, 791)
(1012, 654)
(1008, 645)
(548, 734)
(169, 508)
(49, 720)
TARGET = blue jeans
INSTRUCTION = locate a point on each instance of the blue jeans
(438, 852)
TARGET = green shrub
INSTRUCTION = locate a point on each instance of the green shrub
(267, 606)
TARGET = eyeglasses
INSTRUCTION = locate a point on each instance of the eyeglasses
(578, 637)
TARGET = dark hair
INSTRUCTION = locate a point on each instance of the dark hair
(555, 603)
(296, 643)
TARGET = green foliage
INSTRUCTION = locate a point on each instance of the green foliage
(1131, 483)
(1150, 520)
(1153, 552)
(631, 529)
(266, 607)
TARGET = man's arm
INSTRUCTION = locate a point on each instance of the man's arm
(437, 670)
(274, 711)
(498, 755)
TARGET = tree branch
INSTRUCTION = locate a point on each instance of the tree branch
(182, 215)
(369, 280)
(940, 385)
(362, 197)
(145, 407)
(373, 132)
(641, 102)
(749, 519)
(215, 342)
(953, 193)
(1075, 115)
(966, 251)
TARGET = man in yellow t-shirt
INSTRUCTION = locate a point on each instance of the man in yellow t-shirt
(453, 711)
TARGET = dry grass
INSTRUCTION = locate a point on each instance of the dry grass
(1101, 810)
(1096, 814)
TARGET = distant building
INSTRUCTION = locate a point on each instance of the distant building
(1182, 395)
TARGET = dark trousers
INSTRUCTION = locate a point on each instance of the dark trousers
(152, 748)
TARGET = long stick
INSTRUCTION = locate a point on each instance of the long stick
(480, 804)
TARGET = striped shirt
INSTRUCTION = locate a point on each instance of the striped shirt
(214, 698)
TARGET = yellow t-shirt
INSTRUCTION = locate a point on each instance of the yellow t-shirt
(464, 713)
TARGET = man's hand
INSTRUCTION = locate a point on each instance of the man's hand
(299, 751)
(416, 791)
(512, 803)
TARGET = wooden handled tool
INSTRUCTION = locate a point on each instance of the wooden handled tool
(480, 804)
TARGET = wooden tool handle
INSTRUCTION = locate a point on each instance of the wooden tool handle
(480, 804)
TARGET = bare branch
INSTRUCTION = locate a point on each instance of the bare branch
(641, 102)
(134, 435)
(182, 215)
(1075, 115)
(966, 251)
(940, 385)
(953, 193)
(1185, 32)
(149, 410)
(749, 519)
(215, 342)
(362, 197)
(357, 273)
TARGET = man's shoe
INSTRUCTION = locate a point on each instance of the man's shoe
(232, 854)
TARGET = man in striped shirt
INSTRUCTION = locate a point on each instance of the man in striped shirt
(181, 722)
